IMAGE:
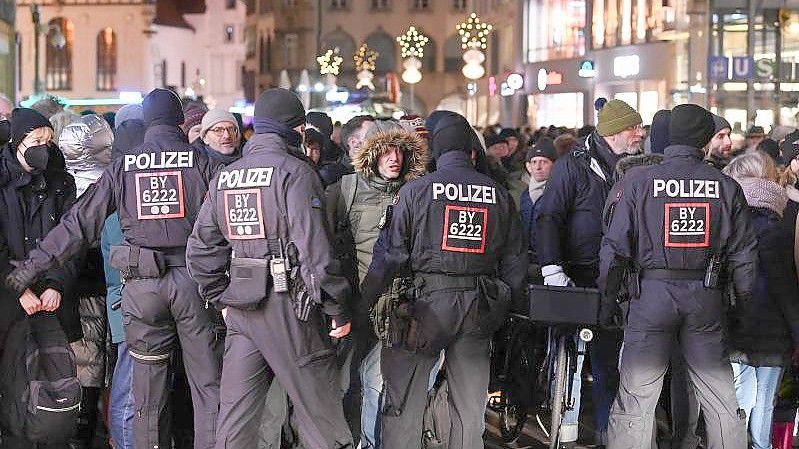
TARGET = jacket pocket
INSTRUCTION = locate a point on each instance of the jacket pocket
(137, 262)
(249, 283)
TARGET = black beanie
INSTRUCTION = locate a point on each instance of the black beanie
(544, 147)
(659, 135)
(162, 107)
(129, 135)
(282, 106)
(790, 149)
(320, 121)
(23, 121)
(508, 132)
(691, 125)
(494, 139)
(771, 148)
(452, 132)
(720, 123)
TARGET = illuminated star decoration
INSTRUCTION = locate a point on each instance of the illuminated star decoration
(365, 58)
(474, 33)
(330, 62)
(412, 43)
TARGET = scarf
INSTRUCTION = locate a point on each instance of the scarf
(265, 125)
(764, 194)
(536, 189)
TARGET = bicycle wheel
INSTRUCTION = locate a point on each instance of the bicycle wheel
(512, 418)
(558, 399)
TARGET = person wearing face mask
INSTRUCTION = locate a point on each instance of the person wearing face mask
(569, 232)
(389, 157)
(220, 137)
(37, 193)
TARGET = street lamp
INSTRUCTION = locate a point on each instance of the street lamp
(58, 40)
(474, 35)
(412, 44)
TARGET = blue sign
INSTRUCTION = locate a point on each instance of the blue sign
(743, 68)
(587, 69)
(717, 68)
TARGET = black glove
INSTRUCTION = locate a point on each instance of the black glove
(22, 277)
(608, 311)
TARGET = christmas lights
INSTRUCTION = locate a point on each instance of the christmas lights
(412, 43)
(330, 62)
(365, 58)
(474, 33)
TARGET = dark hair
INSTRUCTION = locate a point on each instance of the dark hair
(350, 127)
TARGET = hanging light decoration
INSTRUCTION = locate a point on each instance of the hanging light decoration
(330, 62)
(474, 37)
(412, 43)
(365, 63)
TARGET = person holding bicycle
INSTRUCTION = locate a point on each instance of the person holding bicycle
(676, 230)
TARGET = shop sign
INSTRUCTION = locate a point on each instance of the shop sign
(515, 81)
(548, 79)
(492, 86)
(505, 90)
(718, 68)
(626, 66)
(742, 67)
(587, 69)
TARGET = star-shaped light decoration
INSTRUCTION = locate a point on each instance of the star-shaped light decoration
(330, 62)
(474, 33)
(365, 58)
(412, 43)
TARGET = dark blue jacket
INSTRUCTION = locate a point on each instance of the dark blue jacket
(569, 221)
(529, 212)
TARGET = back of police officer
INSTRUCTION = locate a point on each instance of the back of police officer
(158, 189)
(682, 223)
(460, 234)
(264, 223)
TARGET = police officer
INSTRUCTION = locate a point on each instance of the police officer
(681, 222)
(461, 236)
(264, 222)
(157, 188)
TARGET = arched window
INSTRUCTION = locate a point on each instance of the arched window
(430, 53)
(60, 37)
(453, 55)
(106, 59)
(383, 44)
(345, 44)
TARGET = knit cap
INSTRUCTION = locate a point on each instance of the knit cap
(194, 114)
(545, 147)
(615, 117)
(162, 107)
(213, 117)
(282, 106)
(691, 125)
(720, 123)
(128, 112)
(23, 121)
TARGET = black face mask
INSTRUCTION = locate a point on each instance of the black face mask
(5, 131)
(37, 157)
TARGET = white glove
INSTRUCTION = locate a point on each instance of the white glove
(224, 314)
(554, 275)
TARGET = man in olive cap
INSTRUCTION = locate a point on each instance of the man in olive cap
(569, 233)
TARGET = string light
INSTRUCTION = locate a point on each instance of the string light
(365, 59)
(330, 62)
(474, 33)
(412, 43)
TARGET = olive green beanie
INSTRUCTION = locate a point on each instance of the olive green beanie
(615, 117)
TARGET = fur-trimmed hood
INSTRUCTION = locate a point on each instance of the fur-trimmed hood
(639, 160)
(415, 154)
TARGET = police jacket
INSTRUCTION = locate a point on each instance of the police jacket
(677, 214)
(157, 188)
(454, 221)
(265, 198)
(32, 206)
(569, 219)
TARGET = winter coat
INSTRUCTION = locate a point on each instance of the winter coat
(356, 215)
(32, 205)
(331, 172)
(215, 156)
(90, 353)
(112, 236)
(569, 225)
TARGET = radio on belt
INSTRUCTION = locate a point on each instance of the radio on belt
(278, 268)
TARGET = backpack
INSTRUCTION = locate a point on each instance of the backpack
(436, 419)
(39, 390)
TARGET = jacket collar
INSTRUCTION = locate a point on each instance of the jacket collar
(161, 132)
(586, 154)
(261, 143)
(454, 159)
(683, 151)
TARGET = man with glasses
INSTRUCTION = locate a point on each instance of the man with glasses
(220, 137)
(569, 230)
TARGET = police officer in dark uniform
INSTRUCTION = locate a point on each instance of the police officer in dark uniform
(158, 189)
(678, 225)
(460, 235)
(264, 223)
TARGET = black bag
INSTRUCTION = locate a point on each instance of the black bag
(436, 419)
(39, 388)
(566, 305)
(249, 283)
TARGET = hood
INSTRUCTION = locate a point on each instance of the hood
(638, 160)
(86, 144)
(415, 154)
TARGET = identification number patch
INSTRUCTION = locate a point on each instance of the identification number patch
(160, 195)
(465, 229)
(687, 225)
(243, 214)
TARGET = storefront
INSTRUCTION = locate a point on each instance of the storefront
(641, 75)
(557, 94)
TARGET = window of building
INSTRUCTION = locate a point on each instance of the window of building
(265, 59)
(250, 6)
(565, 35)
(229, 34)
(291, 43)
(230, 4)
(625, 22)
(453, 55)
(384, 45)
(345, 44)
(249, 42)
(106, 60)
(429, 58)
(459, 5)
(265, 6)
(60, 37)
(380, 5)
(338, 4)
(420, 4)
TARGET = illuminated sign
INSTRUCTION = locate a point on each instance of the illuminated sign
(626, 66)
(587, 69)
(515, 81)
(548, 79)
(492, 85)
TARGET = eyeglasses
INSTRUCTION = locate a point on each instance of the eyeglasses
(637, 128)
(221, 130)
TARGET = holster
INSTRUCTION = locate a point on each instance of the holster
(134, 262)
(249, 283)
(391, 315)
